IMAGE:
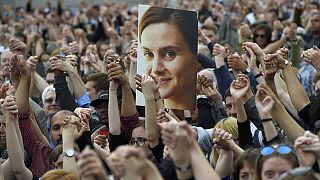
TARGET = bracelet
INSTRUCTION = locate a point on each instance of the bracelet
(183, 169)
(266, 120)
(157, 99)
(258, 75)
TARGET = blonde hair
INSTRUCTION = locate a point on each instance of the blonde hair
(230, 125)
(58, 174)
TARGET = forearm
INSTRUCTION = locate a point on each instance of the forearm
(290, 127)
(22, 94)
(113, 111)
(39, 83)
(132, 73)
(128, 106)
(39, 47)
(268, 126)
(224, 165)
(159, 102)
(237, 150)
(274, 46)
(200, 166)
(241, 112)
(69, 163)
(77, 83)
(152, 129)
(37, 131)
(296, 92)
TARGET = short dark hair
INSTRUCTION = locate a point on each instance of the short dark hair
(100, 79)
(315, 3)
(182, 19)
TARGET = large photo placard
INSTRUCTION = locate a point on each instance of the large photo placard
(167, 51)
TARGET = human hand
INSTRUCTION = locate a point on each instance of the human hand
(202, 37)
(59, 65)
(148, 86)
(251, 58)
(163, 116)
(313, 145)
(85, 115)
(79, 33)
(312, 56)
(283, 52)
(133, 53)
(213, 94)
(22, 66)
(219, 51)
(5, 90)
(90, 165)
(222, 139)
(116, 73)
(111, 56)
(72, 60)
(32, 63)
(277, 25)
(236, 62)
(9, 106)
(255, 48)
(179, 137)
(271, 66)
(17, 47)
(138, 79)
(240, 87)
(305, 158)
(72, 129)
(264, 102)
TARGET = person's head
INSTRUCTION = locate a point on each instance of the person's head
(5, 62)
(169, 46)
(2, 132)
(139, 136)
(315, 23)
(56, 125)
(314, 6)
(273, 161)
(211, 32)
(230, 105)
(50, 76)
(50, 104)
(95, 83)
(243, 168)
(262, 35)
(101, 106)
(58, 174)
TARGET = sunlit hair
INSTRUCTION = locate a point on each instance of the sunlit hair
(181, 19)
(46, 90)
(230, 125)
(58, 174)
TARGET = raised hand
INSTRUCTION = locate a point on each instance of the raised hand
(312, 56)
(138, 79)
(305, 158)
(85, 115)
(219, 51)
(116, 72)
(17, 47)
(313, 145)
(90, 165)
(22, 65)
(133, 51)
(222, 139)
(72, 128)
(283, 52)
(255, 48)
(240, 86)
(9, 106)
(213, 94)
(264, 102)
(236, 62)
(32, 63)
(148, 86)
(163, 116)
(59, 65)
(251, 58)
(271, 66)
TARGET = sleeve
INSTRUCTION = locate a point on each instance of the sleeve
(64, 96)
(314, 112)
(245, 136)
(39, 152)
(224, 79)
(127, 125)
(252, 113)
(85, 140)
(157, 151)
(305, 116)
(40, 117)
(210, 46)
(253, 82)
(117, 140)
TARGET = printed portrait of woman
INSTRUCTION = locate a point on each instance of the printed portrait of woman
(168, 46)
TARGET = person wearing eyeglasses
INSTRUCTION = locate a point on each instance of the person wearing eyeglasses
(275, 160)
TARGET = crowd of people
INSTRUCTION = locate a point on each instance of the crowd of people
(68, 82)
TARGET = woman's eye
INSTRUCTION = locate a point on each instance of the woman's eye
(148, 54)
(168, 54)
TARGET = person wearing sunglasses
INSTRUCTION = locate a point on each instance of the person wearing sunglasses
(275, 160)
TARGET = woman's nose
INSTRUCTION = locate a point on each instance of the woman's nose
(157, 66)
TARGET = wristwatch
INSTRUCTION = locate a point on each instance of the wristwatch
(68, 153)
(286, 62)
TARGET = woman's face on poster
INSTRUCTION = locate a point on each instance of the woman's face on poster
(169, 59)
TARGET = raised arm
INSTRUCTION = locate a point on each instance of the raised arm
(113, 110)
(152, 129)
(312, 56)
(15, 151)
